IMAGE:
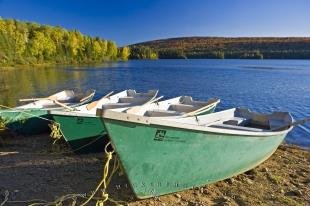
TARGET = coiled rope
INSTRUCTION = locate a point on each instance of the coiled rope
(2, 125)
(56, 133)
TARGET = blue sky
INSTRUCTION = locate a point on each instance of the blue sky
(134, 21)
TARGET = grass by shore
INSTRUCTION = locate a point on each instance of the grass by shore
(38, 170)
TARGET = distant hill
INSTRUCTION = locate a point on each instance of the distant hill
(222, 47)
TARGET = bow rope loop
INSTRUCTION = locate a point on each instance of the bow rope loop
(105, 179)
(55, 131)
(2, 124)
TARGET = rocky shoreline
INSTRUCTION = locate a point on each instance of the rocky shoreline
(33, 170)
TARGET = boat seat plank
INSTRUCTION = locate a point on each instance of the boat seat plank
(115, 105)
(135, 100)
(181, 107)
(161, 113)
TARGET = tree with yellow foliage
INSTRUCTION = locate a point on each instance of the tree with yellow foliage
(31, 43)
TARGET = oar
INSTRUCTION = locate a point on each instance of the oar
(135, 109)
(61, 104)
(38, 98)
(87, 97)
(153, 100)
(32, 99)
(193, 113)
(108, 95)
(94, 104)
(50, 99)
(295, 123)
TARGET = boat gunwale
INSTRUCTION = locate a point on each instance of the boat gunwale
(73, 113)
(165, 122)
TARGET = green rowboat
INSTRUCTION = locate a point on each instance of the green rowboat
(162, 156)
(33, 118)
(83, 130)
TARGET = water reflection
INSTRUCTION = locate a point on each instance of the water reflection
(32, 82)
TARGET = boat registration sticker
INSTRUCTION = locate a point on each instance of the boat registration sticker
(160, 135)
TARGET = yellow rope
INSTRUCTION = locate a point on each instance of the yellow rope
(55, 131)
(2, 125)
(104, 195)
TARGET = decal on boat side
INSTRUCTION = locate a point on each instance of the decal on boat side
(161, 135)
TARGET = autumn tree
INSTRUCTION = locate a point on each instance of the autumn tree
(32, 43)
(124, 53)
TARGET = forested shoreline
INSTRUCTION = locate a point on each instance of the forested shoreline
(230, 48)
(27, 43)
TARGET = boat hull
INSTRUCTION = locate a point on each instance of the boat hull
(26, 122)
(159, 160)
(83, 134)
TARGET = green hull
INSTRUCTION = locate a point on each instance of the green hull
(83, 134)
(26, 122)
(159, 160)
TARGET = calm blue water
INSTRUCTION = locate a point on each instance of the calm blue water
(261, 85)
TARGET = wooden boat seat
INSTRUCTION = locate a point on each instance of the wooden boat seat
(134, 94)
(187, 100)
(115, 105)
(161, 113)
(133, 100)
(181, 108)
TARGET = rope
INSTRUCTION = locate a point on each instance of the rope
(105, 180)
(2, 124)
(77, 149)
(6, 197)
(55, 131)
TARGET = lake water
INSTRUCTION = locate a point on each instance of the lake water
(261, 85)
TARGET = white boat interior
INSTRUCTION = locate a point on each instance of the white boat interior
(241, 119)
(237, 121)
(66, 97)
(132, 98)
(178, 106)
(125, 98)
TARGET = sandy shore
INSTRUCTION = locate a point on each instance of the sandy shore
(33, 168)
